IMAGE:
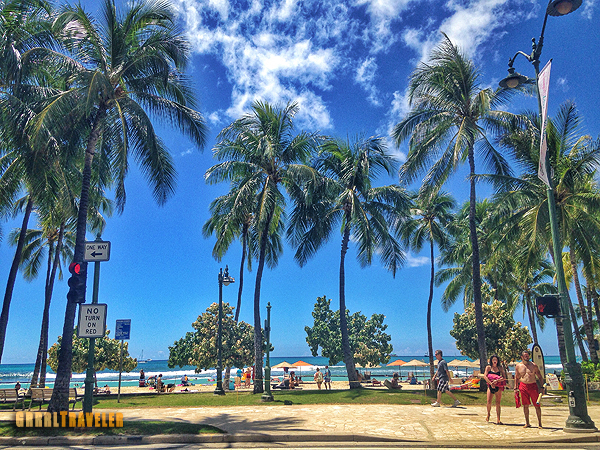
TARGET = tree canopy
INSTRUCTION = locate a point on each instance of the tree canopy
(199, 348)
(368, 341)
(503, 336)
(106, 354)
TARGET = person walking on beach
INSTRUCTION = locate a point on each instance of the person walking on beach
(526, 374)
(495, 377)
(443, 380)
(318, 378)
(142, 382)
(327, 378)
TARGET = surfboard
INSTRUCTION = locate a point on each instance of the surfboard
(537, 357)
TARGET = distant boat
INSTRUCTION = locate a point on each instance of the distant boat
(141, 359)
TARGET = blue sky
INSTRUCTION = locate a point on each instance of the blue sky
(347, 64)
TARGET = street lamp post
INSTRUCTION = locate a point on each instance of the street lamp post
(579, 420)
(224, 279)
(267, 396)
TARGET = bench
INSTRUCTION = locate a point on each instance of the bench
(43, 395)
(11, 395)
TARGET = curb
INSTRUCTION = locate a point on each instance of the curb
(39, 441)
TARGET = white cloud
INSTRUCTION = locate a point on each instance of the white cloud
(416, 261)
(365, 77)
(588, 9)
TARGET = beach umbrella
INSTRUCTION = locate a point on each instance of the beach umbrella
(283, 365)
(300, 364)
(398, 362)
(416, 363)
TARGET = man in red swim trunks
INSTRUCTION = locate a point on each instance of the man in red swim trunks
(526, 373)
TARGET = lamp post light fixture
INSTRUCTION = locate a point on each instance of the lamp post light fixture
(224, 279)
(579, 420)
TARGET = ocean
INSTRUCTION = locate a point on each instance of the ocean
(11, 373)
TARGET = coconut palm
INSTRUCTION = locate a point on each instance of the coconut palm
(429, 218)
(121, 69)
(523, 200)
(368, 215)
(262, 156)
(24, 24)
(445, 127)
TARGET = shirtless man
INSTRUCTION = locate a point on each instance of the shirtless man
(525, 375)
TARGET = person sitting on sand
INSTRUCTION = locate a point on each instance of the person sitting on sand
(395, 380)
(185, 381)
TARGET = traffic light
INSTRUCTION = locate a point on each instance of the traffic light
(548, 305)
(77, 281)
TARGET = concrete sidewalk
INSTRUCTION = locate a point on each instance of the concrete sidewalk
(347, 423)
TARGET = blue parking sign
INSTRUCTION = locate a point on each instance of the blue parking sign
(123, 329)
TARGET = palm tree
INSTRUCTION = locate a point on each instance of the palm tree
(575, 159)
(24, 24)
(429, 219)
(445, 126)
(368, 215)
(119, 70)
(58, 245)
(260, 155)
(232, 217)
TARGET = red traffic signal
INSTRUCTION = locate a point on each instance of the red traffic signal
(75, 268)
(548, 305)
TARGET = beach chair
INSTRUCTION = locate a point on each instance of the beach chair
(388, 384)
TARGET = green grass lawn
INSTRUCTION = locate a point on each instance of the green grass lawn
(363, 396)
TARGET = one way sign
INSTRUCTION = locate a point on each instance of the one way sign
(96, 251)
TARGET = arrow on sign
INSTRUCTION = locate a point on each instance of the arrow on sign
(96, 254)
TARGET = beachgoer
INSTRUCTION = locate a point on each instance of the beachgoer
(318, 378)
(443, 381)
(358, 376)
(395, 380)
(238, 373)
(18, 386)
(185, 381)
(142, 378)
(248, 377)
(526, 374)
(495, 376)
(292, 379)
(327, 377)
(159, 384)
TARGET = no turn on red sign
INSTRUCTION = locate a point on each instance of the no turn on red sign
(92, 320)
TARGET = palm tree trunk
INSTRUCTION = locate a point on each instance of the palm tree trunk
(60, 394)
(429, 303)
(476, 270)
(241, 277)
(560, 334)
(38, 359)
(577, 333)
(12, 275)
(587, 326)
(258, 337)
(347, 352)
(50, 290)
(531, 316)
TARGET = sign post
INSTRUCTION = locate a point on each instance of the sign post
(122, 331)
(95, 251)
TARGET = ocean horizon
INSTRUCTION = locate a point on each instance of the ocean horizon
(11, 373)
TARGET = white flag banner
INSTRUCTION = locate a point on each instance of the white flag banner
(543, 87)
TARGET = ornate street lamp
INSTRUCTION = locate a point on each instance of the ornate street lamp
(578, 420)
(224, 279)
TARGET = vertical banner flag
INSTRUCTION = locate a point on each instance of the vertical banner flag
(543, 85)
